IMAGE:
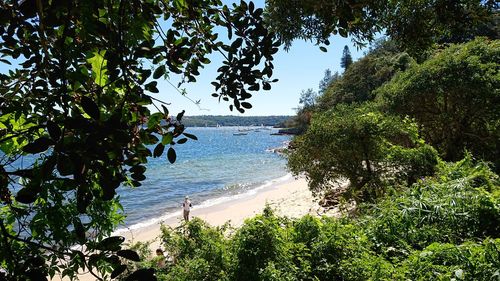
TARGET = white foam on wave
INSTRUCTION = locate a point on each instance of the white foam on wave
(253, 191)
(205, 204)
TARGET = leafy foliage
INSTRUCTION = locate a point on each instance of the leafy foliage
(326, 81)
(448, 21)
(454, 97)
(415, 25)
(457, 205)
(362, 145)
(317, 20)
(443, 227)
(469, 261)
(74, 106)
(199, 251)
(363, 77)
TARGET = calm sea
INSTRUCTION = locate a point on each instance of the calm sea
(217, 167)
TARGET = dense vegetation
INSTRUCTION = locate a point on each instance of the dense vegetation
(229, 120)
(384, 125)
(83, 74)
(445, 227)
(454, 96)
(363, 145)
(80, 78)
(360, 127)
(415, 217)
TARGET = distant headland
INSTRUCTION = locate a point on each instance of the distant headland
(230, 120)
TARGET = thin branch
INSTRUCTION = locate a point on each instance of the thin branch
(160, 101)
(180, 92)
(90, 270)
(38, 245)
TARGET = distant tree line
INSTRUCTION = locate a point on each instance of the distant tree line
(229, 120)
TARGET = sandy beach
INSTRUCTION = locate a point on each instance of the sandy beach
(290, 198)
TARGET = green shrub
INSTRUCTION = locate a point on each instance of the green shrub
(361, 144)
(306, 230)
(452, 207)
(195, 269)
(194, 245)
(342, 252)
(259, 241)
(443, 227)
(469, 261)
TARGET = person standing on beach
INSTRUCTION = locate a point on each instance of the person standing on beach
(187, 207)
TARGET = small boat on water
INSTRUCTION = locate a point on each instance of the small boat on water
(240, 134)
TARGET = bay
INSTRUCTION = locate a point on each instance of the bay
(217, 167)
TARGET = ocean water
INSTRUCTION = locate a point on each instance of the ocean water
(217, 167)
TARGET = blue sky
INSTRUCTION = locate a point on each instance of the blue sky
(300, 68)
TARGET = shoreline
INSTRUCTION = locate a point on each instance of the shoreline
(203, 205)
(291, 198)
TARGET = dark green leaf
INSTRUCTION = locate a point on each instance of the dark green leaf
(158, 151)
(54, 130)
(323, 49)
(129, 254)
(64, 165)
(94, 258)
(165, 110)
(171, 155)
(246, 105)
(180, 115)
(167, 138)
(79, 229)
(181, 141)
(138, 169)
(138, 177)
(145, 75)
(343, 32)
(111, 243)
(151, 86)
(154, 119)
(113, 259)
(26, 195)
(159, 72)
(193, 137)
(39, 145)
(90, 107)
(144, 274)
(251, 7)
(118, 270)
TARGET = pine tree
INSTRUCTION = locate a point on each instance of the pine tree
(346, 59)
(327, 80)
(323, 84)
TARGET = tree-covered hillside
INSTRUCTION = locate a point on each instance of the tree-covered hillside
(230, 120)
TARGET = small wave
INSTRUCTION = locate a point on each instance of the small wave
(205, 204)
(148, 222)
